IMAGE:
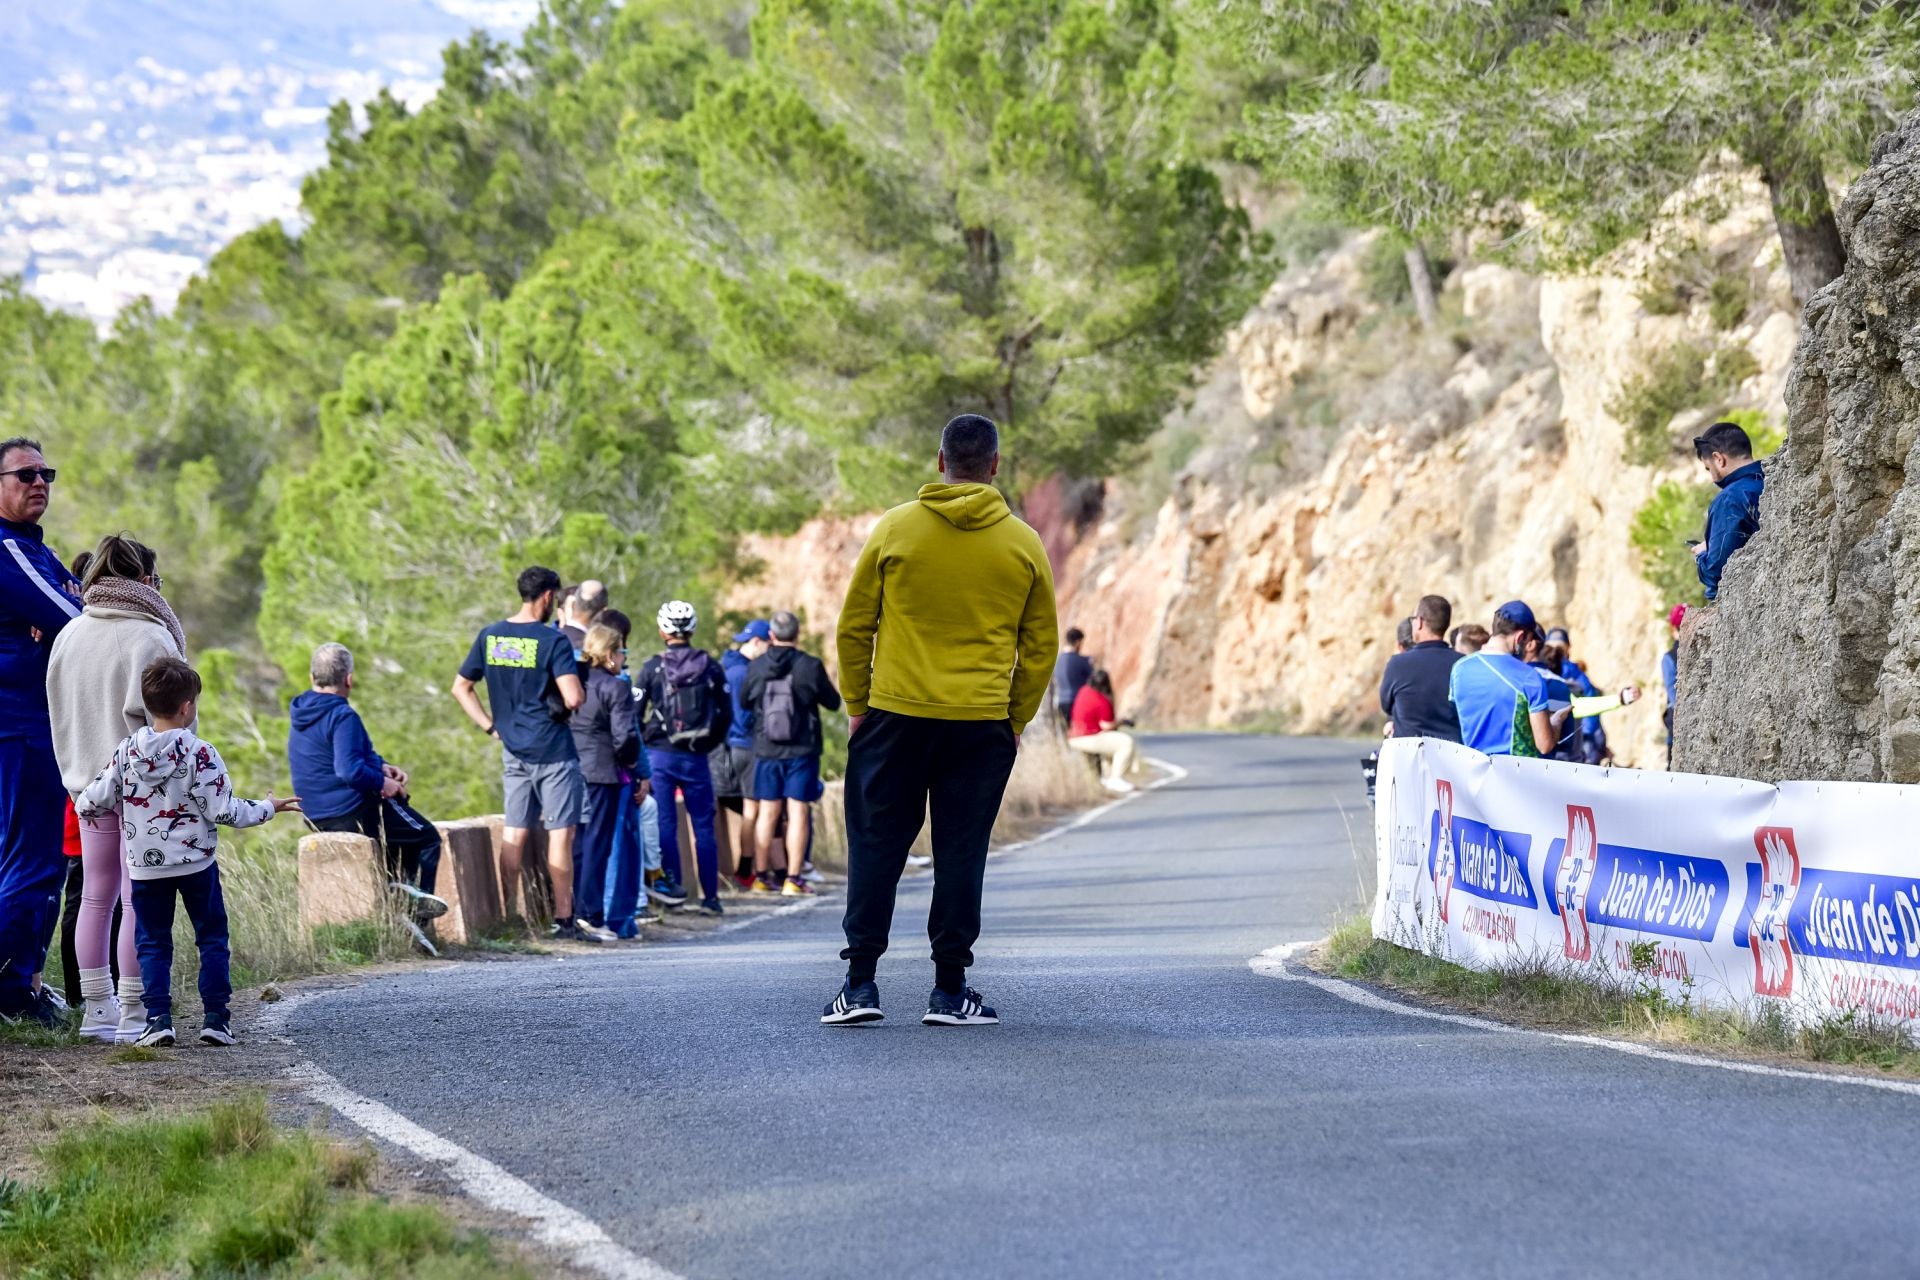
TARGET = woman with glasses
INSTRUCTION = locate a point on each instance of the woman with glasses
(93, 688)
(603, 734)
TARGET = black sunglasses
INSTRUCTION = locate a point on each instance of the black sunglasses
(27, 475)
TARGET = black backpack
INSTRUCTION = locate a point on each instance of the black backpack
(683, 702)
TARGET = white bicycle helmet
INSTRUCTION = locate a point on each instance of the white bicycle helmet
(677, 618)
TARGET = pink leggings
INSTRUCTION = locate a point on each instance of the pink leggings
(103, 870)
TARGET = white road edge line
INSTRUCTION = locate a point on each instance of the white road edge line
(1272, 963)
(554, 1224)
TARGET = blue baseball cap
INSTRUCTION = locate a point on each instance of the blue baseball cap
(1516, 612)
(758, 629)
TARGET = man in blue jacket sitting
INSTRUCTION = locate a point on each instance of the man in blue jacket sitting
(1734, 517)
(353, 789)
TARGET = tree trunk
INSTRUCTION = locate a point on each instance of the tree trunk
(1803, 214)
(1420, 277)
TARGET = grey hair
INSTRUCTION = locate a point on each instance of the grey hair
(332, 664)
(785, 627)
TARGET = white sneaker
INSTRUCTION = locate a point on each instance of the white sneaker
(596, 933)
(1119, 786)
(919, 860)
(133, 1023)
(102, 1021)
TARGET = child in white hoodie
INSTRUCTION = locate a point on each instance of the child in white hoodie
(171, 791)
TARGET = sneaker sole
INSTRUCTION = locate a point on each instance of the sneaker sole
(215, 1037)
(103, 1035)
(155, 1042)
(957, 1020)
(852, 1018)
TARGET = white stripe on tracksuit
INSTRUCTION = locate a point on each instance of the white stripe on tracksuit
(47, 589)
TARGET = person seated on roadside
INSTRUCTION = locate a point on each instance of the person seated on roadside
(1098, 731)
(732, 763)
(344, 785)
(173, 789)
(1471, 638)
(1501, 701)
(607, 741)
(785, 693)
(1726, 452)
(1071, 671)
(1414, 687)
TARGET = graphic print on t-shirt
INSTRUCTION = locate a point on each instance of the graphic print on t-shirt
(513, 651)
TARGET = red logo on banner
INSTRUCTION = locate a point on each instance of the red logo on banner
(1767, 934)
(1573, 879)
(1443, 858)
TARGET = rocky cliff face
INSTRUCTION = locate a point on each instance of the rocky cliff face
(1810, 665)
(1338, 466)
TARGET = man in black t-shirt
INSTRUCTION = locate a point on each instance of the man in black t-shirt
(532, 686)
(1414, 690)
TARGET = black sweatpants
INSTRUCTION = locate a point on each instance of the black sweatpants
(411, 843)
(900, 770)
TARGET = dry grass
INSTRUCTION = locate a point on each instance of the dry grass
(1541, 993)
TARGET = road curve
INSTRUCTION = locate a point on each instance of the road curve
(1150, 1106)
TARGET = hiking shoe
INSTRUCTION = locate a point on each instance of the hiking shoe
(709, 907)
(667, 893)
(853, 1005)
(963, 1010)
(101, 1021)
(796, 887)
(216, 1033)
(596, 933)
(423, 905)
(159, 1032)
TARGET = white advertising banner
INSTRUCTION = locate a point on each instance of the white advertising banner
(1805, 896)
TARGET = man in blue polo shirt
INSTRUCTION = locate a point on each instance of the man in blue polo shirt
(1502, 702)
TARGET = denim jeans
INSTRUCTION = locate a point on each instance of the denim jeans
(199, 893)
(636, 849)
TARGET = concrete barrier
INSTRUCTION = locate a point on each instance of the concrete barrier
(340, 879)
(469, 880)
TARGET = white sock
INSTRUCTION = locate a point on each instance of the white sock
(132, 993)
(96, 985)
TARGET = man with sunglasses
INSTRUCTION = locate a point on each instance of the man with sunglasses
(37, 598)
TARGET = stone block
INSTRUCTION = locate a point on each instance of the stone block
(469, 880)
(340, 879)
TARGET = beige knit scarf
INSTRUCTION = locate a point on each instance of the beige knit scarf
(137, 597)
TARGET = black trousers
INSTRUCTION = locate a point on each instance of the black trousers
(411, 843)
(901, 770)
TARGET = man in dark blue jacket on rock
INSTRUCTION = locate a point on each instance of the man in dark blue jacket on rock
(330, 755)
(1734, 517)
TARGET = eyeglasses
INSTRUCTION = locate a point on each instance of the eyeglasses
(27, 475)
(158, 581)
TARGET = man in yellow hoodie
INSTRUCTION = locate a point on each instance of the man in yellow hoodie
(946, 643)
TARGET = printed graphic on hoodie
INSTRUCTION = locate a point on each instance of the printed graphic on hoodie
(171, 790)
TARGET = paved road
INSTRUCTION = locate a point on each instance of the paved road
(1150, 1106)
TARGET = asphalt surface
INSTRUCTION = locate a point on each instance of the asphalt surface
(1149, 1105)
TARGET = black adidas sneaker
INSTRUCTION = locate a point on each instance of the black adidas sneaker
(854, 1005)
(963, 1010)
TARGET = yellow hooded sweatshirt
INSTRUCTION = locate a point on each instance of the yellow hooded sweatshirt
(950, 615)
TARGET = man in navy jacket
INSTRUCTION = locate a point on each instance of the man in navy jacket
(332, 760)
(1734, 517)
(37, 598)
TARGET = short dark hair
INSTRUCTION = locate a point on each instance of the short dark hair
(1101, 681)
(970, 441)
(785, 627)
(1074, 637)
(1435, 612)
(536, 580)
(11, 443)
(618, 621)
(167, 685)
(1729, 438)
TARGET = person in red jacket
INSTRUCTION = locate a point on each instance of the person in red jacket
(1097, 731)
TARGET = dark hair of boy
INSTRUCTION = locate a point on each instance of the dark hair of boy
(167, 685)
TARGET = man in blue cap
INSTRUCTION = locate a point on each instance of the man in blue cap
(733, 762)
(1502, 702)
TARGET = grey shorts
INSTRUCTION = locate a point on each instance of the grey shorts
(555, 793)
(732, 772)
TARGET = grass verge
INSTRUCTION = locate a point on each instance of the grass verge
(221, 1192)
(1542, 994)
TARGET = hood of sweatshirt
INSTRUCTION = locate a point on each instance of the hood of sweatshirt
(153, 757)
(312, 709)
(779, 661)
(966, 506)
